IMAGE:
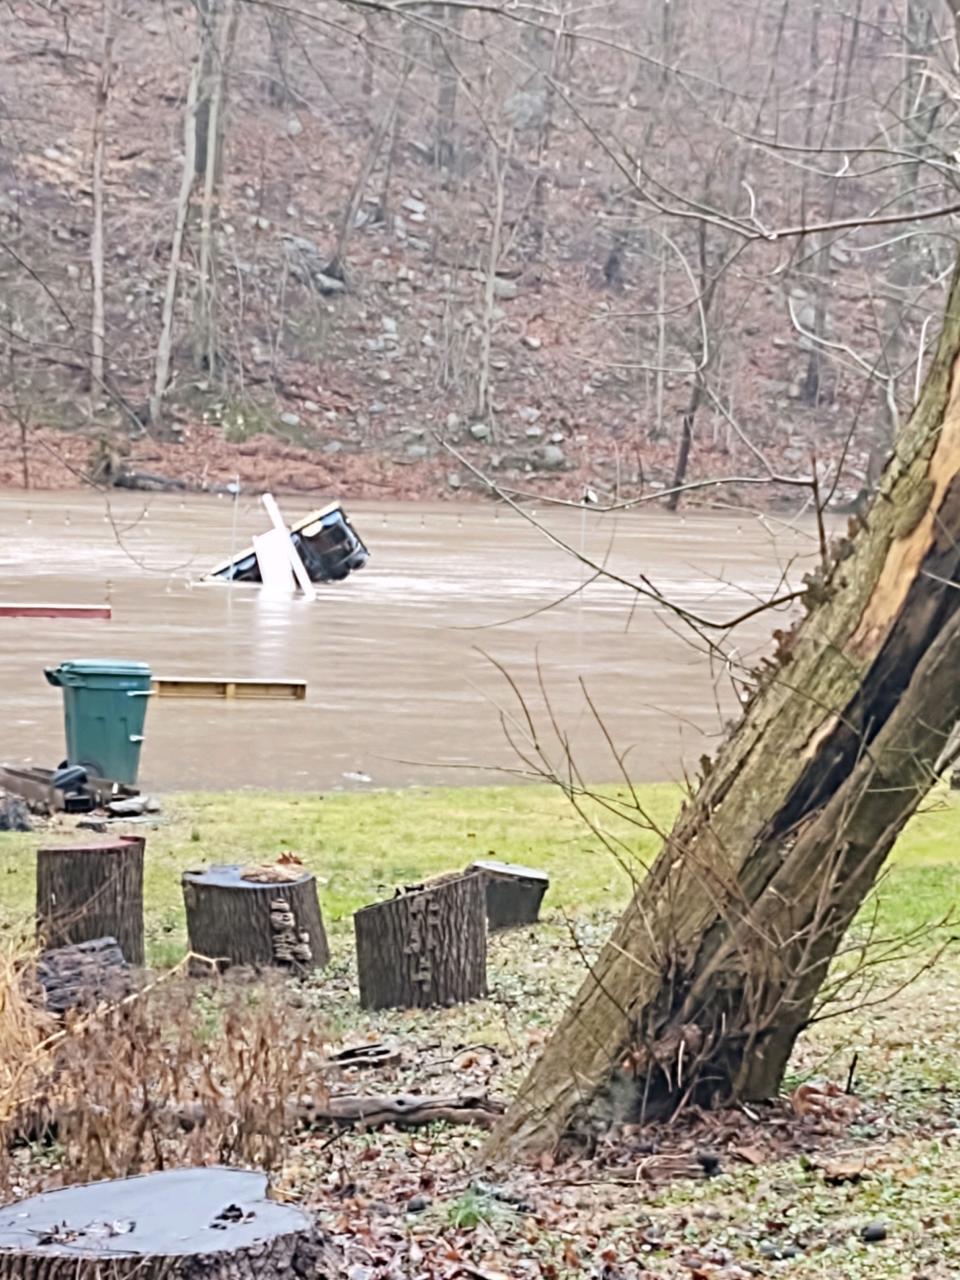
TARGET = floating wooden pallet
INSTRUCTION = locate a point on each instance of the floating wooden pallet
(102, 611)
(211, 687)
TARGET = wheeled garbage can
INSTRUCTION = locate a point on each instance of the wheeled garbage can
(105, 707)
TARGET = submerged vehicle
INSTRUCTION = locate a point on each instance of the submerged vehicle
(326, 542)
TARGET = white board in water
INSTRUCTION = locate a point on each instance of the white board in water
(273, 559)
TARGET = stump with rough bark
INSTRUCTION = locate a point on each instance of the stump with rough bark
(241, 916)
(92, 890)
(424, 947)
(184, 1224)
(83, 975)
(513, 893)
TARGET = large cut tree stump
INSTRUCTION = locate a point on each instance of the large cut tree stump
(92, 890)
(185, 1224)
(513, 893)
(256, 916)
(425, 947)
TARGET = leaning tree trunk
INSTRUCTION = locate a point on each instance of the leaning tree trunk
(715, 966)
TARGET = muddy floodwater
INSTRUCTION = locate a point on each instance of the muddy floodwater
(399, 659)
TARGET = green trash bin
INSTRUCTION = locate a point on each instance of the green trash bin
(105, 706)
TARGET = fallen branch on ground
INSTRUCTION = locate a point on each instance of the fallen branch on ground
(366, 1111)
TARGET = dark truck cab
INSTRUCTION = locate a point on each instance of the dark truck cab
(327, 542)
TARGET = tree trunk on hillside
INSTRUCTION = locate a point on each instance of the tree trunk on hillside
(218, 48)
(98, 323)
(164, 354)
(715, 966)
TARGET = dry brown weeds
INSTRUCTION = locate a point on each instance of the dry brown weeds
(184, 1071)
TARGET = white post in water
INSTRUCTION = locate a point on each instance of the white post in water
(296, 564)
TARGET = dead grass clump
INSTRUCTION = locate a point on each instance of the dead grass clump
(24, 1026)
(182, 1072)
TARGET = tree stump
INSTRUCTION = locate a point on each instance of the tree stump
(93, 890)
(235, 920)
(83, 974)
(513, 893)
(427, 946)
(183, 1224)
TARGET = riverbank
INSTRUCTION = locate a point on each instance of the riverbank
(409, 464)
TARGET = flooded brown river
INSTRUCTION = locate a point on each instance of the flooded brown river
(399, 658)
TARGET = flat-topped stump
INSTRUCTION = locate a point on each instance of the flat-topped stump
(425, 947)
(234, 918)
(182, 1224)
(92, 890)
(513, 893)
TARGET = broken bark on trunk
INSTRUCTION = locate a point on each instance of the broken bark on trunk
(182, 1224)
(714, 968)
(90, 891)
(234, 919)
(424, 948)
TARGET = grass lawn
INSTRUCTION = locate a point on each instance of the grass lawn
(361, 846)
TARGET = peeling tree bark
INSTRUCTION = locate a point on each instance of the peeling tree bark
(714, 968)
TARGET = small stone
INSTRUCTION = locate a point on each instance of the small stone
(873, 1232)
(311, 406)
(551, 458)
(261, 223)
(417, 1204)
(529, 414)
(327, 284)
(453, 480)
(290, 419)
(417, 451)
(73, 271)
(378, 407)
(333, 446)
(557, 438)
(532, 341)
(505, 290)
(384, 375)
(417, 217)
(411, 205)
(534, 433)
(294, 127)
(453, 421)
(427, 340)
(480, 431)
(388, 324)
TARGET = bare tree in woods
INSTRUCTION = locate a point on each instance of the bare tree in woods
(203, 137)
(445, 49)
(220, 29)
(164, 352)
(98, 322)
(715, 967)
